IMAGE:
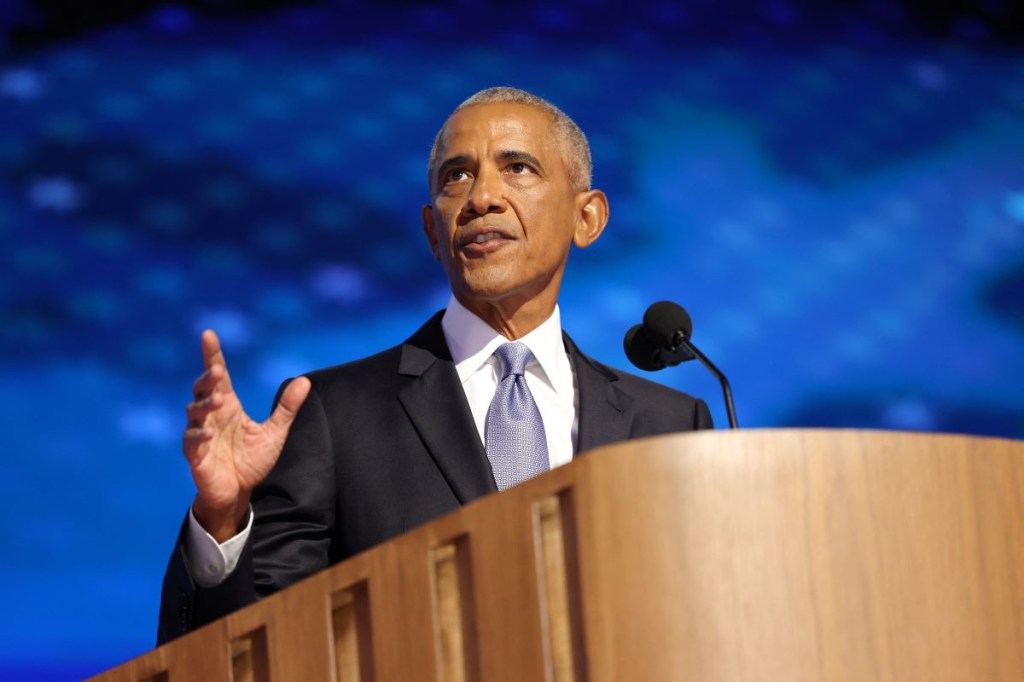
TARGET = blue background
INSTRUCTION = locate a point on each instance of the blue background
(837, 195)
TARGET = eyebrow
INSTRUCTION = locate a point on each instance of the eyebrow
(507, 155)
(516, 156)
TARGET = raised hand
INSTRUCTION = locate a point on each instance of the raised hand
(228, 452)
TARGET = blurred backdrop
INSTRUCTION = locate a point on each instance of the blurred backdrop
(836, 195)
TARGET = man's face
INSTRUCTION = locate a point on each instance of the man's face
(503, 213)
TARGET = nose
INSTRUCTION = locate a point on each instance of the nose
(487, 193)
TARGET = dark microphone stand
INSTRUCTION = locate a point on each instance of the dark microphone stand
(730, 409)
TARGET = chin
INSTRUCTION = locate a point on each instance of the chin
(487, 293)
(488, 285)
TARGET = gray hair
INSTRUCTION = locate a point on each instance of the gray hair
(575, 148)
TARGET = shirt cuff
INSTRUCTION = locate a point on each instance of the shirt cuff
(208, 562)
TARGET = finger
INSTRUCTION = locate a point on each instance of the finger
(203, 385)
(291, 400)
(213, 356)
(192, 439)
(212, 353)
(197, 434)
(209, 382)
(196, 412)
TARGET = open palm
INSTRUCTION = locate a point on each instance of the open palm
(228, 452)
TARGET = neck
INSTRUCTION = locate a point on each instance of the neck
(511, 319)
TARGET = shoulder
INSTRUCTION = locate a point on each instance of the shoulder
(627, 382)
(639, 387)
(382, 362)
(654, 408)
(389, 369)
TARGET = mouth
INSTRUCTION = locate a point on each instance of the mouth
(483, 241)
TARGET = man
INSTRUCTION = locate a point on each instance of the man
(356, 454)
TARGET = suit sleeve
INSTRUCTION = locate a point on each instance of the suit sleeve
(294, 508)
(293, 520)
(184, 606)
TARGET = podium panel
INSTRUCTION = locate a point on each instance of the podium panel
(749, 555)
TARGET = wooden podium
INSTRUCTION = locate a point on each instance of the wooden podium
(749, 555)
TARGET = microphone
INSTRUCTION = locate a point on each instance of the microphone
(643, 352)
(641, 349)
(668, 324)
(664, 340)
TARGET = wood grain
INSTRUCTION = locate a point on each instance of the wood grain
(352, 634)
(751, 555)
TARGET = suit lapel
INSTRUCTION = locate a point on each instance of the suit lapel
(605, 411)
(436, 404)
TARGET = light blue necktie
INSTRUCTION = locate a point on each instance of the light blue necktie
(514, 431)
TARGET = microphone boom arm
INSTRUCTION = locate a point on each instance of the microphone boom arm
(730, 409)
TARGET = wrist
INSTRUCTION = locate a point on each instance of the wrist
(221, 522)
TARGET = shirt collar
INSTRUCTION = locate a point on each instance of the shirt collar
(472, 343)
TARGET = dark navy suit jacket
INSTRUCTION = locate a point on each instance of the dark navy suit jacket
(382, 445)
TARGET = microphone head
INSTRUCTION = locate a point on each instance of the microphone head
(641, 350)
(667, 324)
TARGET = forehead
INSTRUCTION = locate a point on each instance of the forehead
(498, 126)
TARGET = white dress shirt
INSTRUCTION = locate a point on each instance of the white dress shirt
(549, 375)
(472, 343)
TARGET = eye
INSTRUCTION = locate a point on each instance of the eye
(519, 168)
(455, 175)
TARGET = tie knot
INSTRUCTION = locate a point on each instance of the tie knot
(514, 357)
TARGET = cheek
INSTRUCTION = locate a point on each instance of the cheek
(442, 229)
(446, 223)
(551, 230)
(545, 211)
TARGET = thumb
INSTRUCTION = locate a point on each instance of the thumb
(291, 400)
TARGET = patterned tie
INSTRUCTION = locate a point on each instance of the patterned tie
(514, 430)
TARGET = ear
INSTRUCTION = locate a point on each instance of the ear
(591, 217)
(430, 229)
